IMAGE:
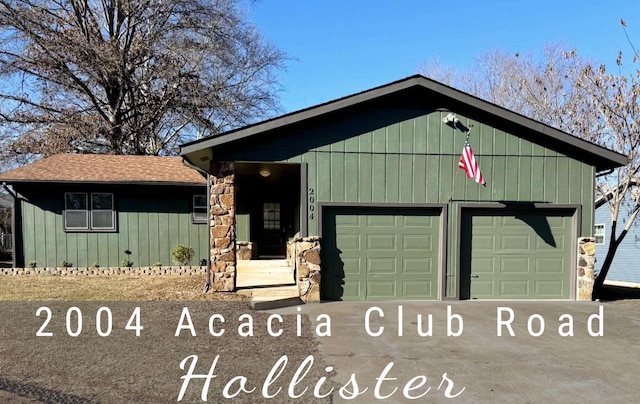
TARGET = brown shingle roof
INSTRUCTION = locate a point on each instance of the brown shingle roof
(106, 168)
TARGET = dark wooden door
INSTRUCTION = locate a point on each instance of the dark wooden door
(273, 230)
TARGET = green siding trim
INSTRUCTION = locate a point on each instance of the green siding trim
(150, 224)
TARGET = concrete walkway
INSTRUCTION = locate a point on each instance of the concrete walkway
(478, 366)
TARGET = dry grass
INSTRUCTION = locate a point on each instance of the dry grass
(108, 288)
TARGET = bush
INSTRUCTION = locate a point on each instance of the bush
(182, 255)
(127, 263)
(33, 264)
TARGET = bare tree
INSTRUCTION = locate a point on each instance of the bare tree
(128, 76)
(569, 93)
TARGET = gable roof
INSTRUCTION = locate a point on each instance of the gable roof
(99, 168)
(600, 157)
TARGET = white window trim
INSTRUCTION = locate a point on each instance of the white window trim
(112, 210)
(89, 217)
(604, 233)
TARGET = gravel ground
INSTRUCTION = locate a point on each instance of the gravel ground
(121, 367)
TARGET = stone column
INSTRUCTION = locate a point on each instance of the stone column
(306, 252)
(586, 267)
(223, 226)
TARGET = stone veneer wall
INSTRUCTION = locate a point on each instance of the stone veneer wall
(586, 267)
(306, 253)
(222, 226)
(107, 271)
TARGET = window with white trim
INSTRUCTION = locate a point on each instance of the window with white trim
(89, 212)
(199, 213)
(599, 233)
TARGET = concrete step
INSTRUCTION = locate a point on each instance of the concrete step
(264, 273)
(271, 293)
(248, 266)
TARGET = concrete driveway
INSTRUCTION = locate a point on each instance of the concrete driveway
(478, 366)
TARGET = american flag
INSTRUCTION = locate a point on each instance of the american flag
(469, 164)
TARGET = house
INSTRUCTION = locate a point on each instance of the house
(364, 197)
(624, 269)
(86, 210)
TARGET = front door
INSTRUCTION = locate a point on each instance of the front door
(273, 231)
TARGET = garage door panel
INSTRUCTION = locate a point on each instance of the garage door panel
(531, 258)
(515, 243)
(349, 242)
(381, 266)
(418, 266)
(354, 289)
(386, 242)
(380, 221)
(418, 289)
(484, 265)
(395, 251)
(550, 265)
(514, 265)
(482, 288)
(514, 289)
(419, 221)
(418, 243)
(381, 290)
(352, 265)
(484, 243)
(345, 221)
(549, 289)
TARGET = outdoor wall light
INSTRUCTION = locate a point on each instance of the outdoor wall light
(265, 172)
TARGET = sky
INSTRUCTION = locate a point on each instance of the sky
(340, 47)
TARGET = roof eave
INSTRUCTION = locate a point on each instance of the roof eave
(70, 182)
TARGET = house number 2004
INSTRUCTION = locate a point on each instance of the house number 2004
(312, 206)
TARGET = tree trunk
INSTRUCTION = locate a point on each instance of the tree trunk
(602, 275)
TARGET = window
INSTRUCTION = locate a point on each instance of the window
(598, 233)
(199, 214)
(271, 216)
(89, 212)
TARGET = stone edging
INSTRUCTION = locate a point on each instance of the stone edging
(107, 271)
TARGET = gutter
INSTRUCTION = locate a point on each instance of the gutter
(13, 223)
(187, 163)
(602, 173)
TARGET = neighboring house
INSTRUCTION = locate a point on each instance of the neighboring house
(88, 209)
(625, 263)
(375, 176)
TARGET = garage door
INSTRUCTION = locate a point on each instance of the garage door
(516, 255)
(380, 254)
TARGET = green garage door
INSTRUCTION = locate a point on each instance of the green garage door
(380, 253)
(516, 255)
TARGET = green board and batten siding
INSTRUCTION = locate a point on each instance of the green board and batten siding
(149, 224)
(384, 155)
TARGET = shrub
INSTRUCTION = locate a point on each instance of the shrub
(182, 254)
(65, 264)
(33, 264)
(158, 264)
(96, 265)
(127, 263)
